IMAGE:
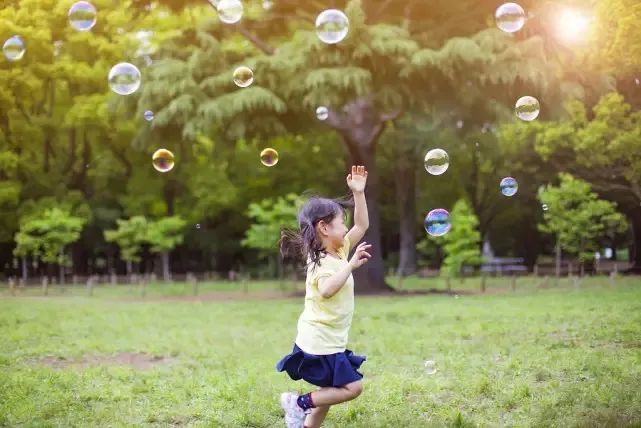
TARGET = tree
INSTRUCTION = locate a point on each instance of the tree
(163, 235)
(48, 234)
(462, 243)
(269, 218)
(578, 218)
(130, 236)
(602, 147)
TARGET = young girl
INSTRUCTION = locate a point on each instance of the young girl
(320, 356)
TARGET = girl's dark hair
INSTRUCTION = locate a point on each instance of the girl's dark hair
(304, 243)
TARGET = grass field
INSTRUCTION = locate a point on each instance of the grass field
(539, 357)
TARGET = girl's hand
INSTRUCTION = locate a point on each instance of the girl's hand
(357, 179)
(361, 256)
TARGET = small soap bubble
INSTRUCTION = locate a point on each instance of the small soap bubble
(14, 48)
(163, 160)
(509, 186)
(331, 26)
(322, 113)
(243, 76)
(124, 78)
(527, 108)
(430, 367)
(510, 17)
(149, 115)
(229, 11)
(82, 16)
(437, 222)
(269, 157)
(436, 161)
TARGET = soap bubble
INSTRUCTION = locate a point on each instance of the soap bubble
(230, 11)
(437, 222)
(331, 26)
(14, 48)
(267, 4)
(510, 17)
(545, 207)
(527, 108)
(269, 157)
(243, 76)
(322, 113)
(430, 367)
(82, 16)
(149, 115)
(436, 161)
(124, 78)
(509, 186)
(163, 160)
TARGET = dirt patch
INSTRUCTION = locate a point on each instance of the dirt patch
(138, 361)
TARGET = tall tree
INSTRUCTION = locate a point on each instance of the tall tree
(164, 235)
(578, 218)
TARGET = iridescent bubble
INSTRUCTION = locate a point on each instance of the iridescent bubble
(527, 108)
(437, 161)
(163, 160)
(230, 11)
(331, 26)
(430, 367)
(509, 186)
(14, 48)
(243, 76)
(322, 113)
(510, 17)
(197, 225)
(269, 157)
(82, 16)
(124, 78)
(437, 222)
(149, 115)
(545, 207)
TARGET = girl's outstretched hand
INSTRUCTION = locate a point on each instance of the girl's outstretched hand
(357, 179)
(361, 256)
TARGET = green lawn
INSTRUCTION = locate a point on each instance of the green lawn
(547, 357)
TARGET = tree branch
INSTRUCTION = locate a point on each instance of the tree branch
(255, 40)
(392, 115)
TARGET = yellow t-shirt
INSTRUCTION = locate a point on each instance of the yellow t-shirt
(323, 326)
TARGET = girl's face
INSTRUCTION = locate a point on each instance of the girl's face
(333, 233)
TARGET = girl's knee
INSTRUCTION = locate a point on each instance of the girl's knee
(355, 388)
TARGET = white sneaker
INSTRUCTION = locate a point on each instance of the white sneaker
(294, 415)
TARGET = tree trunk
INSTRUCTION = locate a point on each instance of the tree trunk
(635, 254)
(360, 127)
(405, 179)
(129, 268)
(61, 267)
(370, 277)
(557, 251)
(165, 266)
(25, 269)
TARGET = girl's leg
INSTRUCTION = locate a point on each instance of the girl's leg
(329, 395)
(316, 418)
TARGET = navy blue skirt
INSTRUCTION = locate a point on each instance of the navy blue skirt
(322, 370)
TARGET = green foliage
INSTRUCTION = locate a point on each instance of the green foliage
(462, 242)
(578, 218)
(130, 236)
(269, 217)
(163, 235)
(47, 235)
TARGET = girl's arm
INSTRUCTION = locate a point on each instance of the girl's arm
(330, 285)
(356, 182)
